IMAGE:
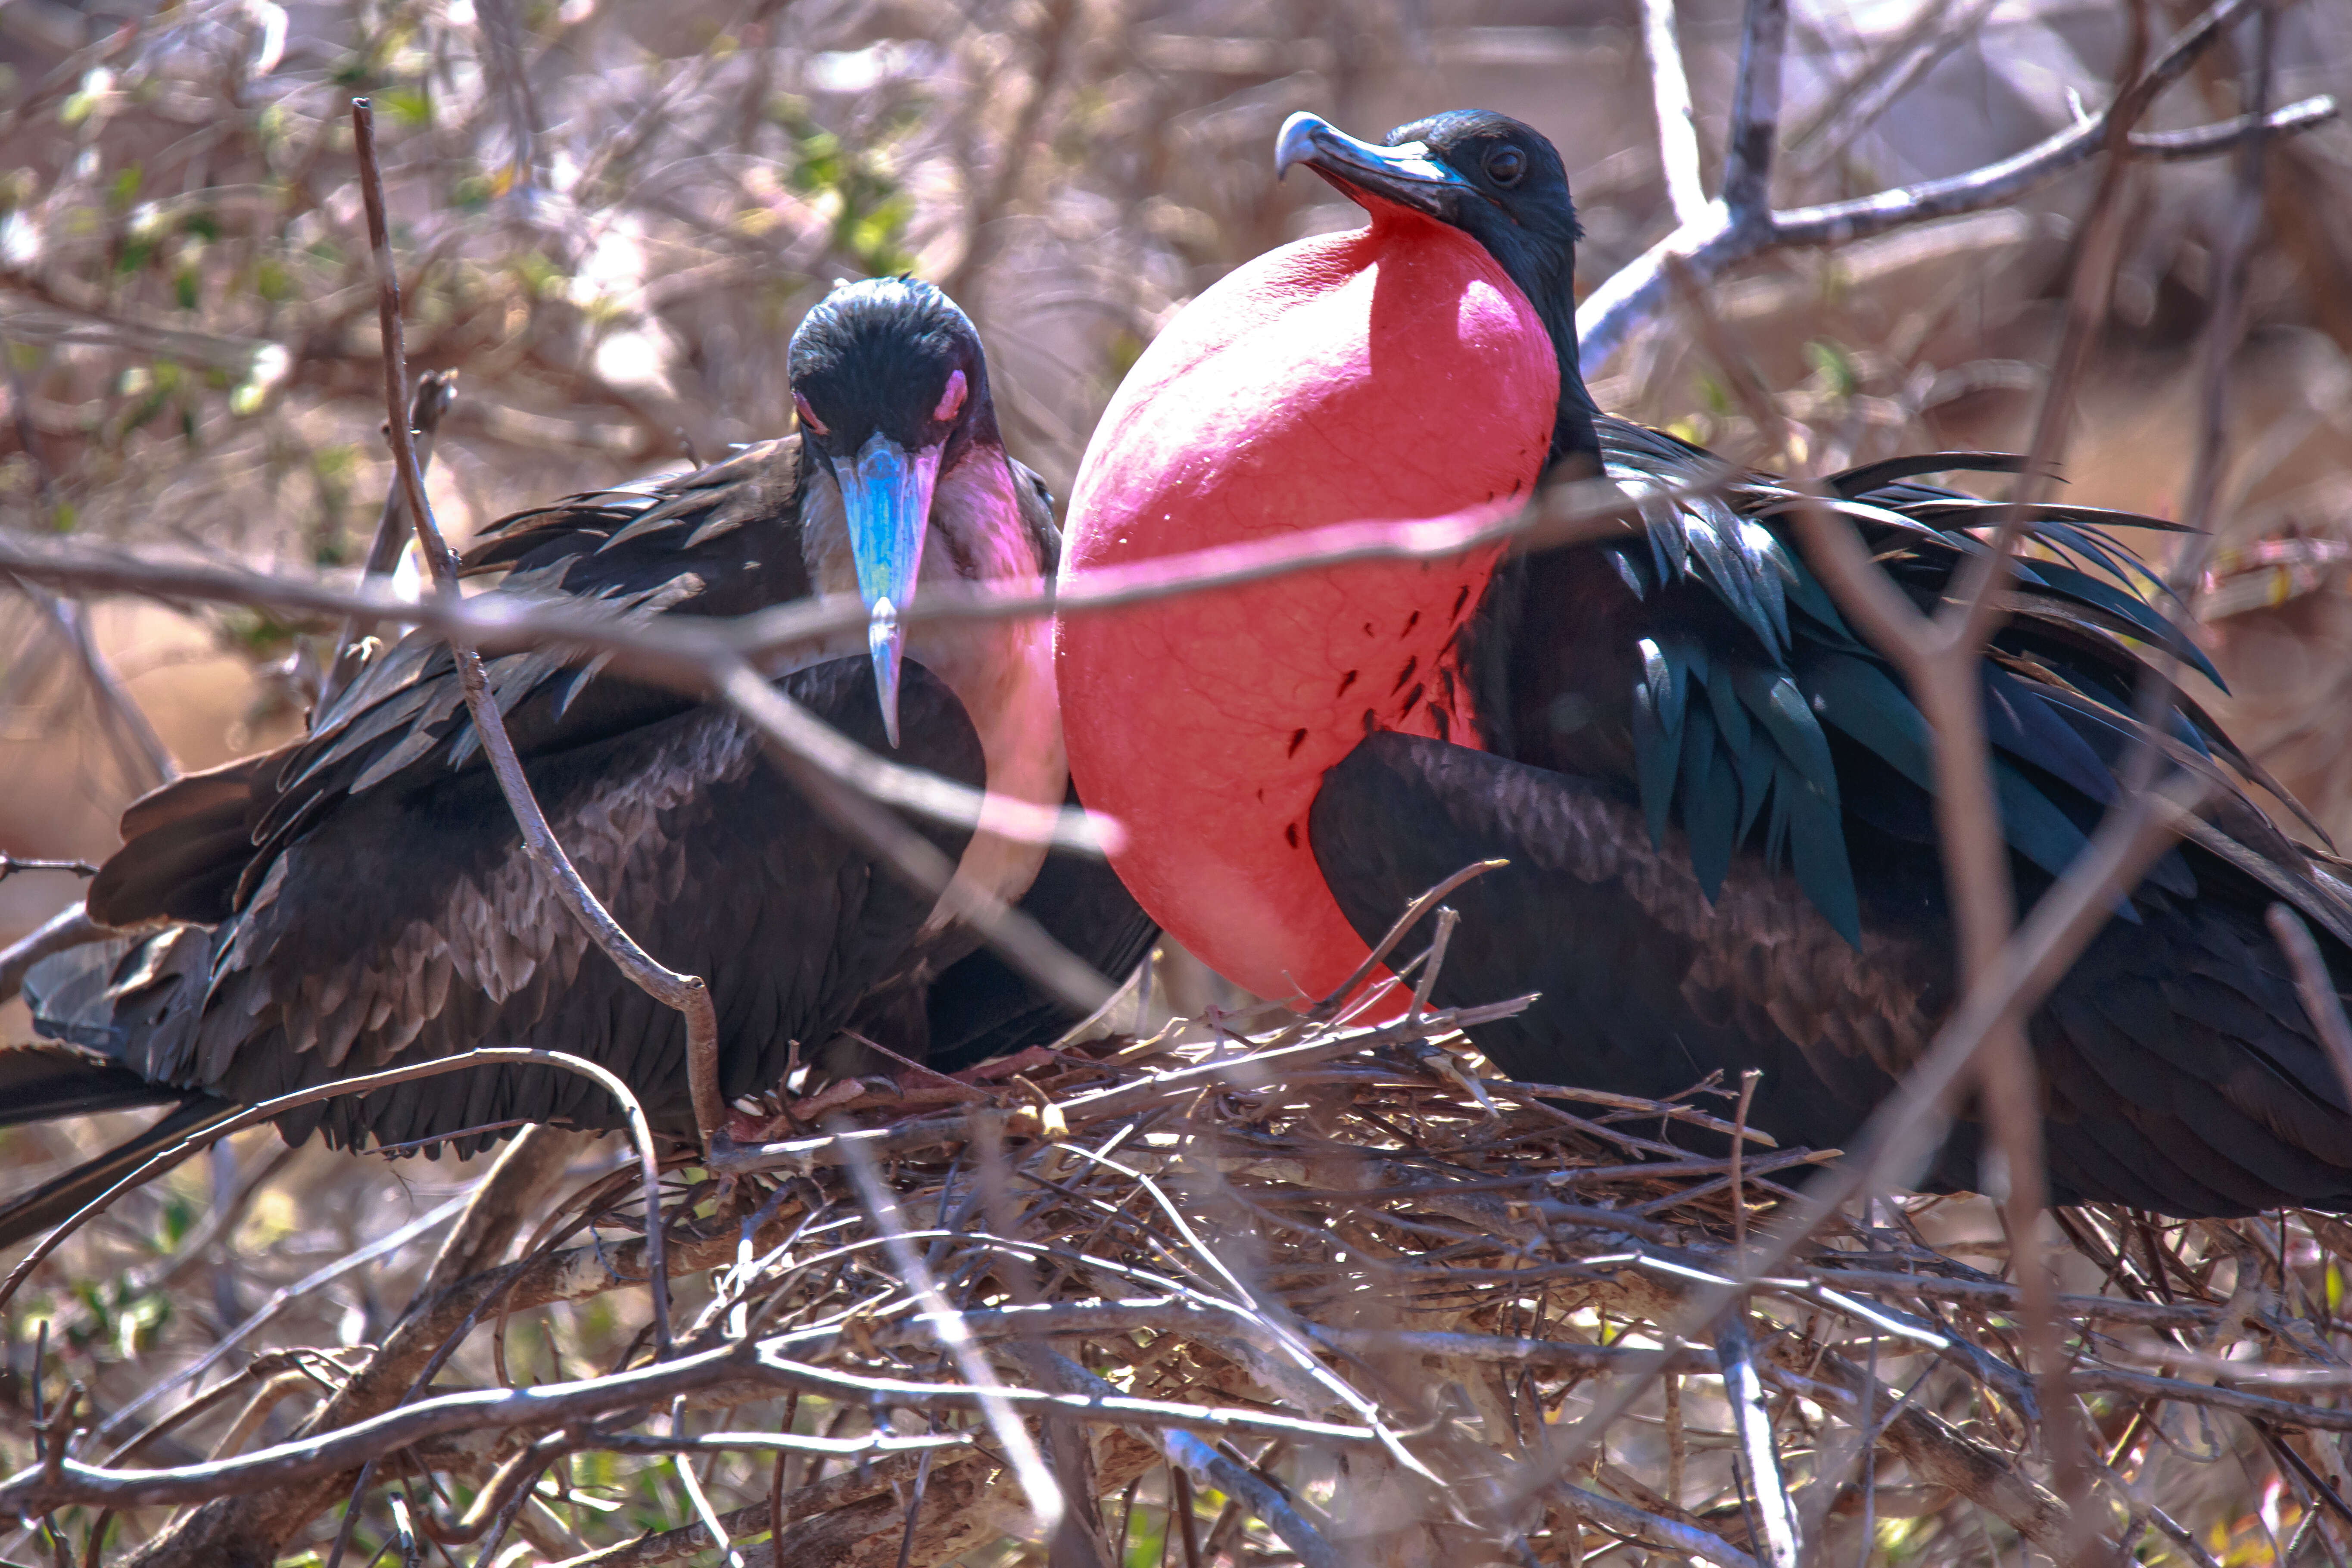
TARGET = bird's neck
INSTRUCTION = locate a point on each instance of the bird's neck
(1001, 670)
(1575, 440)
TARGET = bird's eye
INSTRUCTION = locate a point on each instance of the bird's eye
(809, 421)
(1506, 165)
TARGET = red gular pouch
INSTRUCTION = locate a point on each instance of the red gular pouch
(1389, 372)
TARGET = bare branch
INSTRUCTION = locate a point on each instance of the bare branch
(1046, 1501)
(435, 389)
(1853, 105)
(1755, 115)
(1718, 241)
(1626, 1519)
(686, 995)
(1760, 1458)
(2321, 1000)
(1677, 126)
(69, 927)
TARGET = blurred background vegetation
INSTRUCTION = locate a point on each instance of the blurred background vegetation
(611, 213)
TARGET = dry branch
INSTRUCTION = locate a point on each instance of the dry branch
(1742, 225)
(686, 995)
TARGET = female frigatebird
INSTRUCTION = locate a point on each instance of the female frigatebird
(361, 898)
(1714, 794)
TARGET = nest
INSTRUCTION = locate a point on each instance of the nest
(1263, 1291)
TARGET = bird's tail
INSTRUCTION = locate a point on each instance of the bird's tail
(58, 1199)
(80, 1001)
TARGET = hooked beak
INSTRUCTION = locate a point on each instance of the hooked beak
(886, 497)
(1406, 176)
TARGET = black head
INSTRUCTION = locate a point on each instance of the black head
(891, 387)
(883, 354)
(1495, 179)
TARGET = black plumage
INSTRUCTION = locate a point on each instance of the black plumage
(360, 898)
(1716, 799)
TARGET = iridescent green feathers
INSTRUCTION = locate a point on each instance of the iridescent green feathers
(1756, 704)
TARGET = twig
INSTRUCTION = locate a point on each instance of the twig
(1683, 1539)
(11, 864)
(1908, 1122)
(551, 1405)
(1740, 1148)
(1853, 105)
(1759, 1458)
(1678, 128)
(675, 652)
(686, 995)
(2321, 1001)
(640, 1134)
(434, 391)
(1755, 115)
(1045, 1500)
(1727, 234)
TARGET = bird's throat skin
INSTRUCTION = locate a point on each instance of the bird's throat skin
(1394, 372)
(1001, 670)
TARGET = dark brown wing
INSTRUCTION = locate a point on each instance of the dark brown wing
(2180, 1071)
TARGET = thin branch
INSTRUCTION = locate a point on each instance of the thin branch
(434, 391)
(1853, 105)
(2321, 1001)
(1755, 115)
(1677, 126)
(686, 995)
(1759, 1458)
(12, 864)
(1683, 1539)
(69, 928)
(1910, 1122)
(59, 1483)
(1029, 1468)
(1718, 241)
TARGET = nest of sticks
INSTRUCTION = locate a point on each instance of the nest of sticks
(1257, 1289)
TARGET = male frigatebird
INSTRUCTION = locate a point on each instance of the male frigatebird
(1713, 794)
(361, 898)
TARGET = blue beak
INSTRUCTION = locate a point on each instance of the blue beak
(886, 497)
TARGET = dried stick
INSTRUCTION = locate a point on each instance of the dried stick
(1029, 1467)
(795, 736)
(1677, 127)
(12, 864)
(435, 390)
(1743, 227)
(670, 651)
(1755, 115)
(69, 927)
(1853, 105)
(1940, 657)
(1759, 1458)
(686, 995)
(59, 1482)
(1682, 1540)
(640, 1134)
(2321, 1000)
(1908, 1122)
